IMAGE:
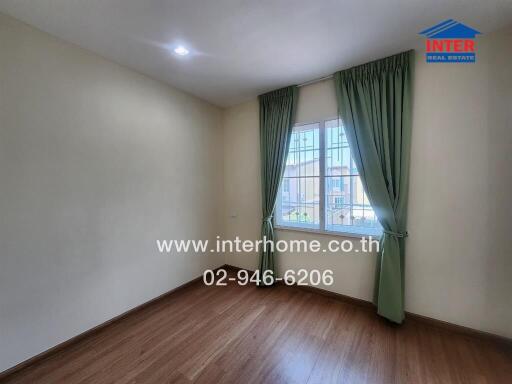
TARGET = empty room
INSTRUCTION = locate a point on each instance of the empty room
(255, 191)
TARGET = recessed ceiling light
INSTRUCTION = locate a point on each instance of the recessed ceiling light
(181, 50)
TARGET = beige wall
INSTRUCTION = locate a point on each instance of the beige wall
(459, 262)
(96, 163)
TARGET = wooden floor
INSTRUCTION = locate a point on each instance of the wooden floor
(282, 334)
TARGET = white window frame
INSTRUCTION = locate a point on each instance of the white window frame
(359, 232)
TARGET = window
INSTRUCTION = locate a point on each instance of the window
(299, 195)
(339, 201)
(321, 188)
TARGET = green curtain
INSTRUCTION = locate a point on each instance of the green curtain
(374, 103)
(277, 116)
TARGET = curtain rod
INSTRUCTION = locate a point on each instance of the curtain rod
(315, 80)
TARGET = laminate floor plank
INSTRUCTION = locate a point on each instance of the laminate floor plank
(245, 334)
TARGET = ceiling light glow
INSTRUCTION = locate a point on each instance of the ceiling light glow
(181, 50)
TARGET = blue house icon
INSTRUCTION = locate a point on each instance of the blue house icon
(450, 29)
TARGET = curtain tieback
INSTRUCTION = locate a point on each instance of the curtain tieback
(268, 219)
(396, 234)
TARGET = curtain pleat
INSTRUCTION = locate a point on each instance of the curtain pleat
(375, 105)
(277, 116)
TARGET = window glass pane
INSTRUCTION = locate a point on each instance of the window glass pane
(337, 202)
(338, 159)
(298, 202)
(304, 153)
(347, 208)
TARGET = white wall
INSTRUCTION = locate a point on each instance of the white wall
(459, 263)
(96, 163)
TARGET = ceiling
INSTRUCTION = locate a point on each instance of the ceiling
(242, 48)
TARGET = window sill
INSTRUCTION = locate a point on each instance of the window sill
(327, 233)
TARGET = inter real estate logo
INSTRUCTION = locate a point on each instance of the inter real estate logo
(450, 42)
